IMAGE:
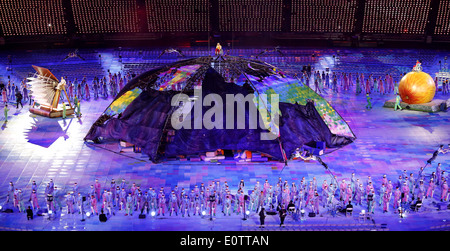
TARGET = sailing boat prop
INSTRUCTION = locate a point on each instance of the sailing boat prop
(46, 90)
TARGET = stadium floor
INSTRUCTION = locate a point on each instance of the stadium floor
(34, 148)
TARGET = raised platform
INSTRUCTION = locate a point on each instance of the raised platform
(437, 105)
(55, 113)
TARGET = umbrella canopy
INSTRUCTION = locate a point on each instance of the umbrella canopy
(184, 108)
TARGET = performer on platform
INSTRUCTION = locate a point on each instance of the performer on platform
(219, 51)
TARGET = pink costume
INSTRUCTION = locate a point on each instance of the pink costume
(266, 187)
(381, 86)
(348, 194)
(389, 189)
(342, 189)
(97, 187)
(104, 200)
(430, 191)
(34, 201)
(86, 88)
(70, 91)
(444, 191)
(310, 196)
(386, 199)
(4, 96)
(384, 181)
(16, 199)
(241, 202)
(162, 204)
(405, 191)
(397, 195)
(94, 205)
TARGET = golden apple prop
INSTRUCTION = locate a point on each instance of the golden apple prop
(417, 87)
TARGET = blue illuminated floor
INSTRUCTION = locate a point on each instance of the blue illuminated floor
(388, 142)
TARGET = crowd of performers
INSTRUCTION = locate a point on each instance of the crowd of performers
(14, 93)
(76, 91)
(367, 84)
(109, 86)
(81, 89)
(406, 191)
(99, 87)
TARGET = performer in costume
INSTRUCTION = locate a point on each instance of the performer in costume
(397, 102)
(171, 50)
(64, 110)
(417, 66)
(73, 54)
(219, 51)
(369, 104)
(6, 110)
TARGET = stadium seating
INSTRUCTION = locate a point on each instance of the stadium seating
(399, 17)
(38, 17)
(104, 16)
(323, 15)
(371, 20)
(443, 18)
(250, 15)
(177, 15)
